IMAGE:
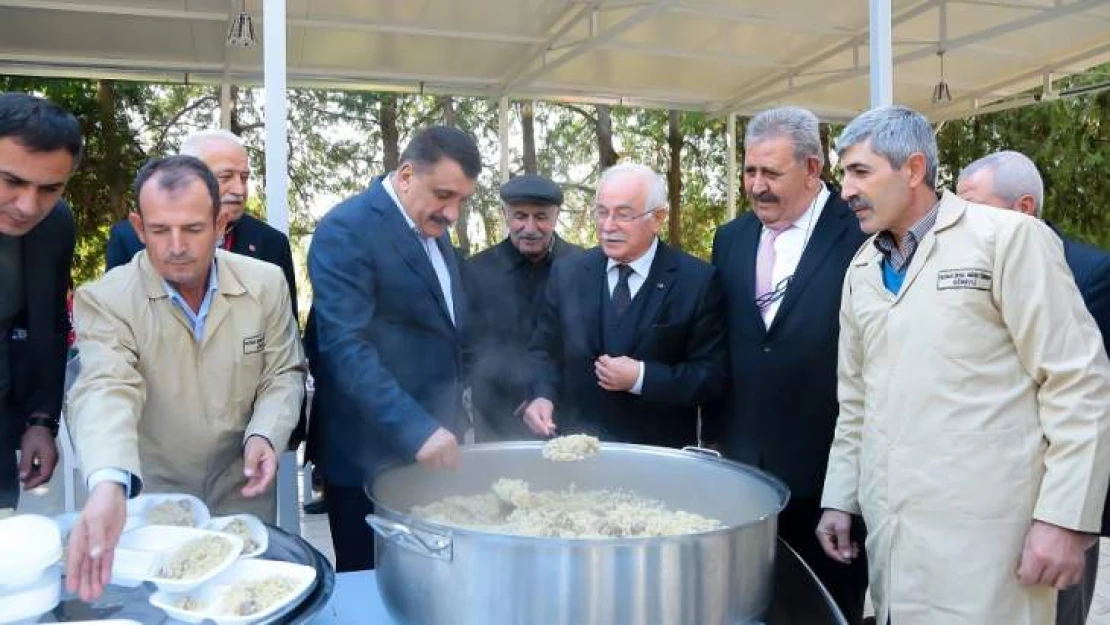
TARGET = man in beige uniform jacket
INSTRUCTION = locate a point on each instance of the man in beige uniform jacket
(192, 373)
(974, 433)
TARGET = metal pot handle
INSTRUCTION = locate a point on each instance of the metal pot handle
(702, 450)
(421, 542)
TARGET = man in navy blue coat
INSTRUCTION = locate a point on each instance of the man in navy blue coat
(1010, 180)
(385, 335)
(782, 265)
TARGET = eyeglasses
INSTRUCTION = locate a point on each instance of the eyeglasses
(774, 295)
(621, 217)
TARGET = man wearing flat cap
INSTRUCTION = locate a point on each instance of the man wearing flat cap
(506, 282)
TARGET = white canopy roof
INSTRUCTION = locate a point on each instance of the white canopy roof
(711, 55)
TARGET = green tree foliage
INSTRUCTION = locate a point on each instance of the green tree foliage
(1068, 139)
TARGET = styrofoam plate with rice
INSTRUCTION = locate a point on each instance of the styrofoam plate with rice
(176, 509)
(255, 536)
(250, 591)
(175, 559)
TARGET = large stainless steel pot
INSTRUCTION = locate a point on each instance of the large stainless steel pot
(430, 574)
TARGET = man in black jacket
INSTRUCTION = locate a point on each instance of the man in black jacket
(782, 265)
(225, 155)
(1011, 181)
(630, 339)
(505, 283)
(40, 146)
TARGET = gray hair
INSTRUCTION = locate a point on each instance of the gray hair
(895, 133)
(797, 124)
(1015, 175)
(657, 186)
(193, 145)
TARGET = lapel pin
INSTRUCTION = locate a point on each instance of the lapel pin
(251, 247)
(659, 285)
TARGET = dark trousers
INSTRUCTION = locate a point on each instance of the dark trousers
(350, 535)
(9, 469)
(1074, 602)
(847, 583)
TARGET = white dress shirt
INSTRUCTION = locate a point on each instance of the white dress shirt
(429, 243)
(640, 268)
(789, 246)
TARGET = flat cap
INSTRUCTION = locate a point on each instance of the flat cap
(531, 189)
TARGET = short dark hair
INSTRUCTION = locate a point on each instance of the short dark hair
(172, 173)
(436, 143)
(40, 125)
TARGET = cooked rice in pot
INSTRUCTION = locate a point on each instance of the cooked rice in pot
(513, 509)
(571, 448)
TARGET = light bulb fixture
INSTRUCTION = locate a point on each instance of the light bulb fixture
(240, 32)
(941, 93)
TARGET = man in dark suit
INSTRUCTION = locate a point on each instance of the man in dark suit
(225, 155)
(630, 338)
(40, 146)
(385, 334)
(1011, 181)
(782, 265)
(504, 285)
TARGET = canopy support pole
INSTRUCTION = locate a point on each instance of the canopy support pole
(730, 142)
(882, 53)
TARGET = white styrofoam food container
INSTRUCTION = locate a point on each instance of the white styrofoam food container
(141, 505)
(30, 544)
(32, 600)
(243, 571)
(258, 531)
(140, 554)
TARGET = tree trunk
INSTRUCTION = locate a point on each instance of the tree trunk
(606, 155)
(462, 229)
(674, 177)
(826, 147)
(527, 123)
(447, 106)
(112, 165)
(235, 125)
(387, 114)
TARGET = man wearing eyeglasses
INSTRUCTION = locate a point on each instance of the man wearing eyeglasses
(781, 267)
(630, 337)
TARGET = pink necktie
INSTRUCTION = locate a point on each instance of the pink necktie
(765, 264)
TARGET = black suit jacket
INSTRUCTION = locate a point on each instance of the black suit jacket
(505, 290)
(38, 337)
(1091, 268)
(680, 338)
(782, 408)
(253, 238)
(387, 360)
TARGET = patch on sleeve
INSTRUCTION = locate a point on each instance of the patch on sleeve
(978, 279)
(254, 344)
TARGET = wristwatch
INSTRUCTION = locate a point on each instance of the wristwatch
(46, 422)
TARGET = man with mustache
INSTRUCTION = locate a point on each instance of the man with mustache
(974, 431)
(40, 146)
(192, 371)
(385, 336)
(505, 283)
(630, 340)
(781, 266)
(1010, 180)
(226, 156)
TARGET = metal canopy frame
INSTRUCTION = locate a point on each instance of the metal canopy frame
(723, 57)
